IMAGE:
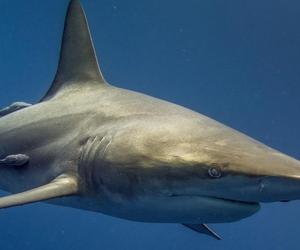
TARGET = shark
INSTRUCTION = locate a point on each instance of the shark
(89, 145)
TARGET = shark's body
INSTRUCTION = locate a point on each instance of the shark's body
(57, 144)
(101, 148)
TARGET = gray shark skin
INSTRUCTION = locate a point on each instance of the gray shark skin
(92, 146)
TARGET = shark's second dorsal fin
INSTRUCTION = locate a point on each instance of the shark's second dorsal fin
(78, 65)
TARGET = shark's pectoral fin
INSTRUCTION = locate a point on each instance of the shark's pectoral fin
(63, 185)
(203, 229)
(13, 107)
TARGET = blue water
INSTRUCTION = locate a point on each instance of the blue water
(236, 61)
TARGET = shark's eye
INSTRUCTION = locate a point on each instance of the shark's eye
(214, 172)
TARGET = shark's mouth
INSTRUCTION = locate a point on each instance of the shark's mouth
(221, 199)
(247, 203)
(213, 209)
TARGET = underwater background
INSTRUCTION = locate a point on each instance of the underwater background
(235, 61)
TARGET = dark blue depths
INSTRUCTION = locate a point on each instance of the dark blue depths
(236, 61)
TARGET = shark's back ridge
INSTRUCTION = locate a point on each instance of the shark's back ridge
(78, 64)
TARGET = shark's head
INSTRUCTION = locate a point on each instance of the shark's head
(196, 167)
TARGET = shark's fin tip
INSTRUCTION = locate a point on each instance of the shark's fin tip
(203, 229)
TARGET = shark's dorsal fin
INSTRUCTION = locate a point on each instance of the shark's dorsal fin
(78, 65)
(61, 186)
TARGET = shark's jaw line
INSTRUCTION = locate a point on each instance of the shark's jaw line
(241, 202)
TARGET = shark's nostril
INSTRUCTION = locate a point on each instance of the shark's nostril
(261, 186)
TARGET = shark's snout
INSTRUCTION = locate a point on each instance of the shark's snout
(273, 189)
(266, 177)
(280, 178)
